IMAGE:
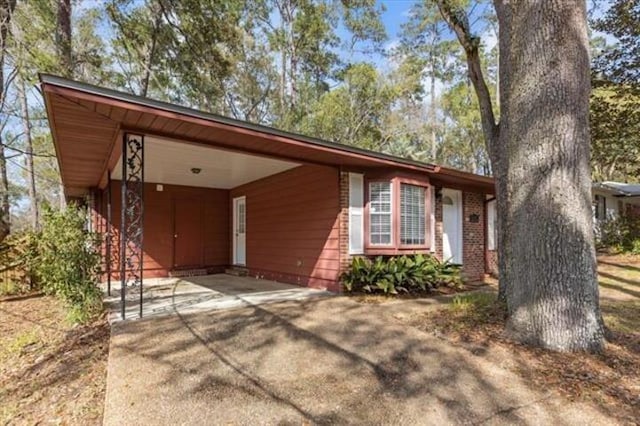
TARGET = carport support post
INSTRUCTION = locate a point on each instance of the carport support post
(131, 217)
(109, 236)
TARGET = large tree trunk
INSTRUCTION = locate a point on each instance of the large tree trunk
(540, 158)
(552, 289)
(150, 59)
(432, 115)
(6, 11)
(63, 38)
(31, 178)
(65, 56)
(5, 213)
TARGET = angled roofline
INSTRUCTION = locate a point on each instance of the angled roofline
(48, 79)
(613, 189)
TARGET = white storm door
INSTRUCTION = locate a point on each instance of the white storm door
(240, 231)
(452, 225)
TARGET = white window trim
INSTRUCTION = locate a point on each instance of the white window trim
(233, 230)
(356, 211)
(391, 206)
(492, 234)
(432, 219)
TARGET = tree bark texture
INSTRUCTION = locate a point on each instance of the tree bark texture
(552, 288)
(458, 21)
(540, 154)
(5, 213)
(6, 11)
(63, 38)
(433, 116)
(31, 178)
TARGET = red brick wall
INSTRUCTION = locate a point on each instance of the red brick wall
(345, 257)
(633, 210)
(159, 226)
(473, 237)
(293, 226)
(473, 234)
(438, 218)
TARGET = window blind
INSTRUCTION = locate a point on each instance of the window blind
(412, 215)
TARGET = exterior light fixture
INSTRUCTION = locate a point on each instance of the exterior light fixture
(196, 170)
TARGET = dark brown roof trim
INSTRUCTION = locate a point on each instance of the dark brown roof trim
(47, 79)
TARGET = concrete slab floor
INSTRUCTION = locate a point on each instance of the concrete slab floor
(164, 296)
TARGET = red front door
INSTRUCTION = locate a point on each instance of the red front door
(188, 233)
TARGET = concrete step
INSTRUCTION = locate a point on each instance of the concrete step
(237, 271)
(181, 273)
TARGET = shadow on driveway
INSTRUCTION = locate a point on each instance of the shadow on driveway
(327, 360)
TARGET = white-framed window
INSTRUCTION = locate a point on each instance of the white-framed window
(356, 217)
(412, 215)
(380, 229)
(600, 206)
(492, 225)
(432, 218)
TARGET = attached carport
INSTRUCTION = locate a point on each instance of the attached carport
(123, 153)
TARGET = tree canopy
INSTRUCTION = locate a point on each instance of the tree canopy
(348, 71)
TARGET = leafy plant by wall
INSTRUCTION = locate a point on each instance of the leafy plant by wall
(65, 261)
(408, 274)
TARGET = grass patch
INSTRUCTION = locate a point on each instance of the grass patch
(474, 305)
(622, 316)
(466, 312)
(14, 346)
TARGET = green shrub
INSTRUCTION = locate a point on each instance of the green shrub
(65, 261)
(390, 275)
(621, 234)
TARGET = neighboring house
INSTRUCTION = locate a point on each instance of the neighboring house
(203, 193)
(613, 199)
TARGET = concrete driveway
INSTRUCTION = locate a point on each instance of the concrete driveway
(323, 360)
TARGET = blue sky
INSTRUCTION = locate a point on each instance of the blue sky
(395, 15)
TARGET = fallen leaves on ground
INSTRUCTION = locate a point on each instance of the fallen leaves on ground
(610, 379)
(50, 371)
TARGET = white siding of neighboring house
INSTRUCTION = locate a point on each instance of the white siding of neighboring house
(611, 205)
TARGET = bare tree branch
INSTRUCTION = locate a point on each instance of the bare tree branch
(458, 21)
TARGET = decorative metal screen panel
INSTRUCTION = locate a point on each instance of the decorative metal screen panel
(131, 223)
(108, 234)
(412, 215)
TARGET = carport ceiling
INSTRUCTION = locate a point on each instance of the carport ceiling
(171, 162)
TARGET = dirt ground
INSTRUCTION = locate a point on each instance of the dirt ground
(610, 381)
(50, 372)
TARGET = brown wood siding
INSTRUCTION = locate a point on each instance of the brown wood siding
(292, 226)
(159, 216)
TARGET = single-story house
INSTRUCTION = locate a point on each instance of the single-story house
(180, 191)
(614, 199)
